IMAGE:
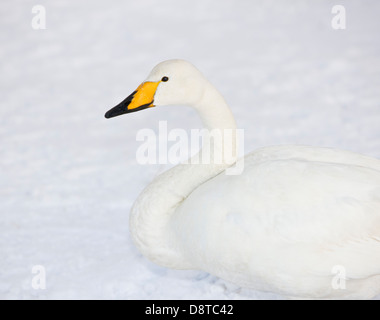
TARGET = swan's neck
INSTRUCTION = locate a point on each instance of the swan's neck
(153, 209)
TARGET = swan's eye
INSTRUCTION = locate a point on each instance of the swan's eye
(164, 79)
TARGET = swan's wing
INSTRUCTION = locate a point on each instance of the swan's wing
(321, 203)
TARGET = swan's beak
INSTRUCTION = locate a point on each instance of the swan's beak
(140, 99)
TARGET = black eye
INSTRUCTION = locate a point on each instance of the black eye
(164, 79)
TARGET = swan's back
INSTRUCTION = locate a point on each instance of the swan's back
(294, 215)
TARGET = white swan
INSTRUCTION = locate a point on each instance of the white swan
(299, 221)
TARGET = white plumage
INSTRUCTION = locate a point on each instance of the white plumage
(295, 215)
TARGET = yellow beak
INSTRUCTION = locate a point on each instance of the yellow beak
(140, 99)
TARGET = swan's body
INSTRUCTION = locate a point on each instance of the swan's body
(296, 218)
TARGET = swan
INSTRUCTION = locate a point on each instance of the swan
(299, 221)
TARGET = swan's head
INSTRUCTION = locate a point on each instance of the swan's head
(172, 82)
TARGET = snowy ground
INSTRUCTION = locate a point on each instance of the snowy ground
(68, 177)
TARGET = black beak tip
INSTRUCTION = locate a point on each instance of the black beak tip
(121, 108)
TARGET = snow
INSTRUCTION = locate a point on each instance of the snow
(68, 177)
